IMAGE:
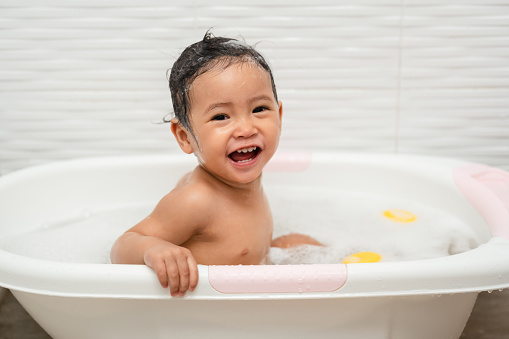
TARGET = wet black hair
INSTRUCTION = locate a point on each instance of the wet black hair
(201, 57)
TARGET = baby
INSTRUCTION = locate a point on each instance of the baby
(227, 113)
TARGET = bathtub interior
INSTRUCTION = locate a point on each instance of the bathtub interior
(85, 232)
(118, 192)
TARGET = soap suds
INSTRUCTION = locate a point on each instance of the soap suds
(350, 222)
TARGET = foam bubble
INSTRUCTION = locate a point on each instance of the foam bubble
(237, 44)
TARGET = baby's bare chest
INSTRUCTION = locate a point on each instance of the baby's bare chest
(243, 226)
(235, 236)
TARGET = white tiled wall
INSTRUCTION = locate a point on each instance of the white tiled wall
(87, 78)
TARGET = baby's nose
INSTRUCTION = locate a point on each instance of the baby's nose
(245, 128)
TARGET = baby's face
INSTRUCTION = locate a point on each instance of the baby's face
(236, 121)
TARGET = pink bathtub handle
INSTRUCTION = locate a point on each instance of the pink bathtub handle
(277, 278)
(289, 162)
(487, 189)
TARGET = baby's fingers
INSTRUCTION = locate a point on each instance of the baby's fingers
(184, 272)
(188, 270)
(159, 267)
(175, 269)
(172, 271)
(193, 273)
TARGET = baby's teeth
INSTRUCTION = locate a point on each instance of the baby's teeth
(245, 150)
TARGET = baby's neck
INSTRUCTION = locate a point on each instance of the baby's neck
(233, 187)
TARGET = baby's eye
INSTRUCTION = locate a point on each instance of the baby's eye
(220, 117)
(260, 109)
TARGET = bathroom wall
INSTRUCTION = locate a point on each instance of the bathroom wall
(87, 78)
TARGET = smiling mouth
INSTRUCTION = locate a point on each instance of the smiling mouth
(244, 154)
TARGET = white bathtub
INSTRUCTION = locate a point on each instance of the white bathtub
(429, 298)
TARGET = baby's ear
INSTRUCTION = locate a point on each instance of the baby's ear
(280, 104)
(182, 136)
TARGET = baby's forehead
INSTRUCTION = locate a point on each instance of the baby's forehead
(212, 73)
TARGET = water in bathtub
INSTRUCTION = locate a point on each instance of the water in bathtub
(346, 222)
(378, 228)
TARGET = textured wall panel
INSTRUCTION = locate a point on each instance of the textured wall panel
(455, 80)
(88, 78)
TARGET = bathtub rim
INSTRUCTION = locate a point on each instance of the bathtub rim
(364, 280)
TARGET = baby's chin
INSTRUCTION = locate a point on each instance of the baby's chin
(233, 177)
(243, 180)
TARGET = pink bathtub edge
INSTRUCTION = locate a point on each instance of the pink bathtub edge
(277, 278)
(487, 189)
(289, 162)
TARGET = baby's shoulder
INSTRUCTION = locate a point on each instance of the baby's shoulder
(190, 192)
(196, 191)
(186, 204)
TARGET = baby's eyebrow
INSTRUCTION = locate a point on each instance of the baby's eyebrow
(260, 98)
(218, 105)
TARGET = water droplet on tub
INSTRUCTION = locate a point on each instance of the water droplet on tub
(489, 291)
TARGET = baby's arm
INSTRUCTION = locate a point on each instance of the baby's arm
(156, 240)
(174, 265)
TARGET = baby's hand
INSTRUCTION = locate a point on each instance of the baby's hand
(175, 267)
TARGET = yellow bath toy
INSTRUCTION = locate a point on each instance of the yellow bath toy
(362, 257)
(399, 215)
